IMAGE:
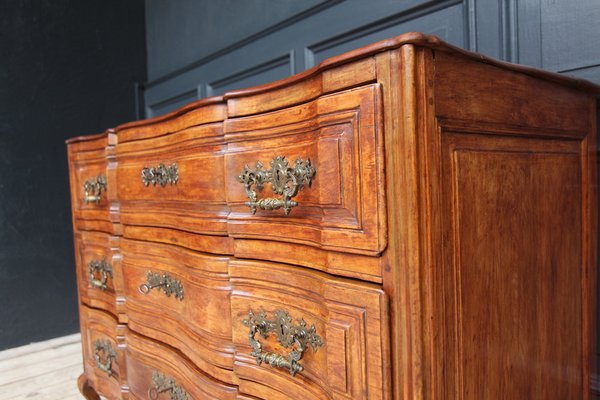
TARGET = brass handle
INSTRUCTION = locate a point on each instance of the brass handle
(297, 338)
(161, 175)
(162, 384)
(284, 180)
(104, 347)
(163, 281)
(92, 189)
(105, 270)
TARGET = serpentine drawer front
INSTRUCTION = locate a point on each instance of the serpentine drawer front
(192, 313)
(405, 221)
(104, 359)
(156, 371)
(97, 269)
(89, 186)
(308, 334)
(332, 148)
(174, 181)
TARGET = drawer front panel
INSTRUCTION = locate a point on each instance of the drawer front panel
(174, 181)
(90, 186)
(157, 372)
(181, 298)
(103, 355)
(97, 269)
(344, 321)
(337, 201)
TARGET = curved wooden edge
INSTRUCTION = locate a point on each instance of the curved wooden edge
(414, 38)
(173, 114)
(87, 138)
(420, 39)
(86, 389)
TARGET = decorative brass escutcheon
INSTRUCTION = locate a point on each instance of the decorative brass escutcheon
(162, 384)
(92, 189)
(163, 281)
(297, 338)
(161, 174)
(105, 348)
(105, 270)
(284, 180)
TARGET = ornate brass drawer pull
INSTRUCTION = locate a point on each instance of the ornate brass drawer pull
(284, 180)
(165, 282)
(92, 189)
(105, 270)
(161, 175)
(105, 348)
(297, 338)
(162, 384)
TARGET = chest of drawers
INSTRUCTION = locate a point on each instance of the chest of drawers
(404, 221)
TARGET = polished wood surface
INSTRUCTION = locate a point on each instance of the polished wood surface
(202, 315)
(445, 249)
(93, 246)
(349, 316)
(145, 357)
(101, 326)
(343, 209)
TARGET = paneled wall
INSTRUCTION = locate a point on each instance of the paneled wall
(200, 48)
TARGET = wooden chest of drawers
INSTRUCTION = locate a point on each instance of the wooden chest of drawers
(404, 221)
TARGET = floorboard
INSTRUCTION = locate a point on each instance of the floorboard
(42, 371)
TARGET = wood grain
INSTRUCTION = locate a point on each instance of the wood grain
(99, 325)
(196, 203)
(350, 317)
(199, 325)
(446, 248)
(343, 209)
(145, 356)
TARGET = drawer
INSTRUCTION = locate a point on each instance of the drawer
(103, 354)
(175, 182)
(155, 371)
(181, 298)
(98, 269)
(88, 163)
(329, 336)
(324, 160)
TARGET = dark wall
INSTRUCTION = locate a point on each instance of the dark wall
(199, 48)
(67, 68)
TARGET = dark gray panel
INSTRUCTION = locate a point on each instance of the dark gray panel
(571, 35)
(374, 19)
(181, 32)
(277, 68)
(529, 34)
(447, 23)
(171, 103)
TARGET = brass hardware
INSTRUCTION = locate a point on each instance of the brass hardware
(284, 180)
(165, 282)
(162, 384)
(104, 346)
(92, 189)
(105, 271)
(297, 338)
(161, 175)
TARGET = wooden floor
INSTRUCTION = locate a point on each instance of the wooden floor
(44, 371)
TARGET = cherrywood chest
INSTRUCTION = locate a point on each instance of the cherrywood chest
(405, 221)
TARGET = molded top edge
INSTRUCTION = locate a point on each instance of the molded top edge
(414, 38)
(173, 114)
(418, 39)
(85, 138)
